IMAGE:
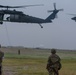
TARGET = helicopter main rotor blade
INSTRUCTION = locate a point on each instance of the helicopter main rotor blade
(27, 6)
(72, 14)
(1, 6)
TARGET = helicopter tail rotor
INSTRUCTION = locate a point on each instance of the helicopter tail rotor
(54, 6)
(55, 9)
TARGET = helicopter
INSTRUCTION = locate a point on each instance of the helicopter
(73, 18)
(20, 17)
(14, 12)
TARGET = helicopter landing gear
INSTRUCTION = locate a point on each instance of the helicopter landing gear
(1, 22)
(41, 26)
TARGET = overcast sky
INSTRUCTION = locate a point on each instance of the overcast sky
(60, 34)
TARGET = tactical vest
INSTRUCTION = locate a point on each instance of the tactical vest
(54, 58)
(55, 61)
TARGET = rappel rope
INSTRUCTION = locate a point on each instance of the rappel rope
(8, 37)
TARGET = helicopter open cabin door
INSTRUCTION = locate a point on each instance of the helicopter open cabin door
(13, 18)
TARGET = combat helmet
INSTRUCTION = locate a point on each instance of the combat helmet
(53, 51)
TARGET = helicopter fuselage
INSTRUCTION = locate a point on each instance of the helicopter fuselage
(26, 18)
(18, 16)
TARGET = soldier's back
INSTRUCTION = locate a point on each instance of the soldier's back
(54, 58)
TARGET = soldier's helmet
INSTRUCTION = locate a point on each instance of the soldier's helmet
(53, 51)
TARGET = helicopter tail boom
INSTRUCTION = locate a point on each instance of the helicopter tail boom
(48, 19)
(54, 13)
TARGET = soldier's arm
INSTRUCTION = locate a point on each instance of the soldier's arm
(60, 65)
(48, 63)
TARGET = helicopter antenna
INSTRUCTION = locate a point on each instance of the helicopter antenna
(7, 34)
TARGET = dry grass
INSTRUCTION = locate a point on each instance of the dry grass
(33, 62)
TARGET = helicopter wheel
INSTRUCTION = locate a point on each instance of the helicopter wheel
(1, 22)
(41, 26)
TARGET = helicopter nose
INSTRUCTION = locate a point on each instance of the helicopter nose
(74, 18)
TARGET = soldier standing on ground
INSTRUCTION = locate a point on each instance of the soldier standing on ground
(18, 52)
(53, 64)
(1, 58)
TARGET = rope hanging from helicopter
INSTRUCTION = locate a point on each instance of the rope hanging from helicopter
(7, 34)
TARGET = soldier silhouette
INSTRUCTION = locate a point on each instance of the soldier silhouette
(1, 58)
(53, 64)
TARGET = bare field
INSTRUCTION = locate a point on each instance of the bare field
(33, 61)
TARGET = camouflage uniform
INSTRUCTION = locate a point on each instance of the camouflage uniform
(1, 57)
(53, 64)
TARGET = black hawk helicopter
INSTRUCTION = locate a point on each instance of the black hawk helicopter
(19, 16)
(73, 18)
(12, 12)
